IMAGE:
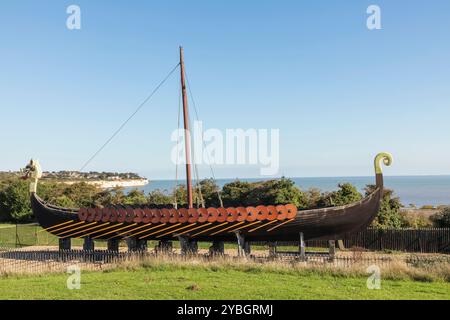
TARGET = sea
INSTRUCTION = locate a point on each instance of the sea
(412, 190)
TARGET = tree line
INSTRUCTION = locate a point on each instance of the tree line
(15, 202)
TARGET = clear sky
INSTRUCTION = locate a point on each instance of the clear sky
(338, 92)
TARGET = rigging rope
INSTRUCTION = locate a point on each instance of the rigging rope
(199, 197)
(200, 201)
(178, 141)
(198, 186)
(203, 141)
(129, 118)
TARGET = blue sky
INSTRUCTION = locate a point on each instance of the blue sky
(338, 92)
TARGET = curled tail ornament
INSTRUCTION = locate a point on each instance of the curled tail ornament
(387, 160)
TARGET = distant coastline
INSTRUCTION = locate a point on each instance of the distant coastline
(109, 184)
(414, 191)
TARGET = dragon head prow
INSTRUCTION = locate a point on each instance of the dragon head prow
(32, 171)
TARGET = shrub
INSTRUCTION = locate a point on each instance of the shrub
(389, 215)
(159, 197)
(442, 218)
(346, 194)
(136, 197)
(415, 221)
(15, 201)
(282, 191)
(234, 193)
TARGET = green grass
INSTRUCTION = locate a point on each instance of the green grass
(191, 282)
(32, 235)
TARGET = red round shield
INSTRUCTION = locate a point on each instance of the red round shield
(98, 214)
(165, 215)
(121, 215)
(213, 214)
(106, 214)
(91, 214)
(114, 215)
(232, 214)
(202, 215)
(129, 218)
(251, 214)
(83, 214)
(138, 215)
(193, 215)
(183, 215)
(292, 211)
(272, 213)
(156, 215)
(262, 213)
(242, 214)
(173, 216)
(222, 214)
(282, 212)
(147, 215)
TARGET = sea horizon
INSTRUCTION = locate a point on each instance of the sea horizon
(419, 190)
(315, 177)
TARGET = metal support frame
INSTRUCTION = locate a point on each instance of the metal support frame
(243, 246)
(302, 246)
(135, 244)
(188, 246)
(65, 244)
(217, 248)
(142, 245)
(164, 246)
(184, 244)
(113, 245)
(332, 249)
(132, 244)
(272, 249)
(88, 244)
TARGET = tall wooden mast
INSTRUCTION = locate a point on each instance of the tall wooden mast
(187, 140)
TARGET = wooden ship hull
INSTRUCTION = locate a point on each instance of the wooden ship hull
(326, 223)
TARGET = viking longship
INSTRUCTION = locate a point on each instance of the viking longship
(266, 222)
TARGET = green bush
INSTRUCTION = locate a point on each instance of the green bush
(389, 215)
(442, 218)
(346, 194)
(282, 191)
(159, 197)
(275, 192)
(415, 221)
(234, 193)
(15, 203)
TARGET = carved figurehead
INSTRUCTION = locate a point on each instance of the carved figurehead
(33, 171)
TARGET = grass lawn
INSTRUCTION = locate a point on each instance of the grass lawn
(177, 282)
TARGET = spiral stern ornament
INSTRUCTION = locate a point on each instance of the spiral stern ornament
(382, 158)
